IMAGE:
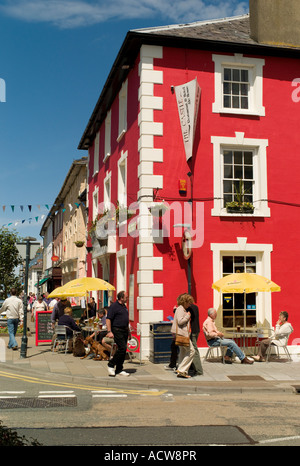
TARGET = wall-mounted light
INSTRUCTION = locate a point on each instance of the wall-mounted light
(182, 186)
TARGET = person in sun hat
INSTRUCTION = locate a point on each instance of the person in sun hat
(283, 329)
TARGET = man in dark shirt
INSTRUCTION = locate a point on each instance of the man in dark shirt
(117, 322)
(59, 309)
(196, 365)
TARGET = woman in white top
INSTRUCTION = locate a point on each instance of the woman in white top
(280, 337)
(38, 305)
(181, 326)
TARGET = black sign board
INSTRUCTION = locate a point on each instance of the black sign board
(43, 327)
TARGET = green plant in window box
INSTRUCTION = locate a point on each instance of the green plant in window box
(235, 207)
(239, 205)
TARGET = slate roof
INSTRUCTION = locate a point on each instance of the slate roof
(229, 35)
(236, 29)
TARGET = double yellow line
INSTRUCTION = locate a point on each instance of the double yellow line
(35, 380)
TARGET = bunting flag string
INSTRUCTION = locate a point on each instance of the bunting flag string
(39, 207)
(29, 206)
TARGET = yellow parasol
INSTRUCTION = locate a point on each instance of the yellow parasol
(80, 287)
(244, 283)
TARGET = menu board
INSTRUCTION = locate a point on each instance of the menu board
(43, 327)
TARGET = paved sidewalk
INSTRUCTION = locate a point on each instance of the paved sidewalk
(41, 362)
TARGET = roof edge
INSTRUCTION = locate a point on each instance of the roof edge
(194, 23)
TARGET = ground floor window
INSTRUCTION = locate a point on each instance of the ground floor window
(239, 310)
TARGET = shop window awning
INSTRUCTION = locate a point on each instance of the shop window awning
(43, 280)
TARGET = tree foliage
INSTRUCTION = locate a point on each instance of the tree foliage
(10, 438)
(9, 260)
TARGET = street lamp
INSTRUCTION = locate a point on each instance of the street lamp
(27, 243)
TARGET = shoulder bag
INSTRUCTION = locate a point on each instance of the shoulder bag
(181, 340)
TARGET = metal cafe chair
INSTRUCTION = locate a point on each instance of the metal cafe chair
(220, 351)
(284, 347)
(61, 338)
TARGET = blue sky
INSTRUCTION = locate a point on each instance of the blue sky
(55, 57)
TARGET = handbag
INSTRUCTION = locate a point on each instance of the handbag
(181, 340)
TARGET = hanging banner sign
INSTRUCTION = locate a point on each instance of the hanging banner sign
(188, 99)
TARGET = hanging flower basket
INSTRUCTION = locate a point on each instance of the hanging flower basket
(158, 209)
(79, 244)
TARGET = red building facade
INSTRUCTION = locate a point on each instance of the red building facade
(246, 143)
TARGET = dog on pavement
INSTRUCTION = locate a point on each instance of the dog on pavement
(96, 348)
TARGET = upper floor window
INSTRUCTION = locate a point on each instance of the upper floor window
(238, 85)
(95, 203)
(122, 179)
(236, 88)
(122, 111)
(107, 191)
(96, 153)
(107, 145)
(237, 176)
(240, 174)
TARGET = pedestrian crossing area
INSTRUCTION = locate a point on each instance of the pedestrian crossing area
(63, 398)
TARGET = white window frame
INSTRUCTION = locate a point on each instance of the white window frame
(96, 153)
(122, 111)
(255, 96)
(260, 191)
(121, 276)
(95, 202)
(263, 267)
(122, 179)
(107, 190)
(107, 141)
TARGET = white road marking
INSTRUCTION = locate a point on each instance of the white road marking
(280, 439)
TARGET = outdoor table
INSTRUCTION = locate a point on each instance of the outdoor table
(90, 329)
(244, 338)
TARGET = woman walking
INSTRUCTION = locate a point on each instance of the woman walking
(181, 326)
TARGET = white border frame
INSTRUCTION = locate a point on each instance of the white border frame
(260, 191)
(263, 267)
(255, 67)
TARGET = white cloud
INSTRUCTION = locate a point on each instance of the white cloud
(78, 13)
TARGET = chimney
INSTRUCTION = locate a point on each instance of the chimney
(275, 22)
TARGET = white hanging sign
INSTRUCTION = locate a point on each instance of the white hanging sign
(188, 99)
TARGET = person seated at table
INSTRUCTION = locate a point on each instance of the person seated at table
(108, 342)
(216, 338)
(87, 314)
(283, 329)
(69, 322)
(92, 308)
(102, 315)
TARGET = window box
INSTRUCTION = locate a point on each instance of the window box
(235, 208)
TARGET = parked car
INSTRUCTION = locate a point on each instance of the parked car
(3, 319)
